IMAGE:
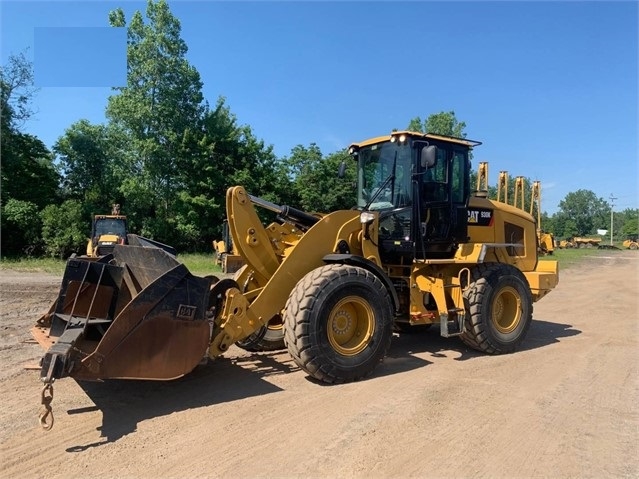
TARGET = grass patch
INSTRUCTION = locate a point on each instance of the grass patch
(200, 264)
(33, 265)
(572, 256)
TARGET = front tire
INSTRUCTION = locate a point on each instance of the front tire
(270, 338)
(338, 323)
(498, 309)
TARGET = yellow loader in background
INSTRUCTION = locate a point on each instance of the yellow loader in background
(226, 255)
(631, 242)
(106, 232)
(418, 248)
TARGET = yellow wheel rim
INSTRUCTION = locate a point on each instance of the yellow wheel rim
(506, 310)
(350, 326)
(275, 324)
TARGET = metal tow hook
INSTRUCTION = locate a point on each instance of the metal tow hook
(47, 412)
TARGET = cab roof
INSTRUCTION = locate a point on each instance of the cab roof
(415, 134)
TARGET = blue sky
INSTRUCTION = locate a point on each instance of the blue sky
(550, 88)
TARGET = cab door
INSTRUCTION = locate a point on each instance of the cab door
(443, 211)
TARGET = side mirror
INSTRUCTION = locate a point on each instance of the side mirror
(429, 156)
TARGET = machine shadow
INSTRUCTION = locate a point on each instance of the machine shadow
(544, 333)
(125, 403)
(404, 346)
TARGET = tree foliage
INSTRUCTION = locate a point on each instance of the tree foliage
(224, 154)
(315, 179)
(63, 229)
(93, 164)
(28, 173)
(442, 123)
(28, 176)
(16, 94)
(161, 106)
(582, 213)
(21, 228)
(628, 223)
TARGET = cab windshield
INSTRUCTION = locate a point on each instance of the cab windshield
(110, 226)
(384, 175)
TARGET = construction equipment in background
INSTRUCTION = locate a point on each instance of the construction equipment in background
(580, 242)
(226, 255)
(418, 248)
(106, 232)
(631, 242)
(567, 243)
(546, 240)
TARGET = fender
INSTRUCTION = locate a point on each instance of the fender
(355, 260)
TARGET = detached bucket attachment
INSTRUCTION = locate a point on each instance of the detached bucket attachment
(136, 314)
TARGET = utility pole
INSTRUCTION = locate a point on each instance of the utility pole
(612, 204)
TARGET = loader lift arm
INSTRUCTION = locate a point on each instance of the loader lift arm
(276, 269)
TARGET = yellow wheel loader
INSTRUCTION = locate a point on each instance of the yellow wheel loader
(631, 242)
(418, 248)
(226, 255)
(106, 232)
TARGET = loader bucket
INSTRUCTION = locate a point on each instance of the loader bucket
(135, 314)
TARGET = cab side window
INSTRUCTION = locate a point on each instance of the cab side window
(458, 166)
(436, 179)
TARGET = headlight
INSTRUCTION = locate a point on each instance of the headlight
(366, 217)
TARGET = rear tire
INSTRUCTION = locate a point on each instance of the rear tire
(498, 309)
(338, 323)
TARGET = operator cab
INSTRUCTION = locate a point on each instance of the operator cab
(420, 185)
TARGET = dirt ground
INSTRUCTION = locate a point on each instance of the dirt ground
(566, 405)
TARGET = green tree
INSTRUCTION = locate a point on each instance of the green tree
(27, 173)
(442, 123)
(630, 222)
(63, 229)
(29, 180)
(316, 182)
(224, 155)
(92, 159)
(17, 92)
(582, 213)
(21, 227)
(161, 105)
